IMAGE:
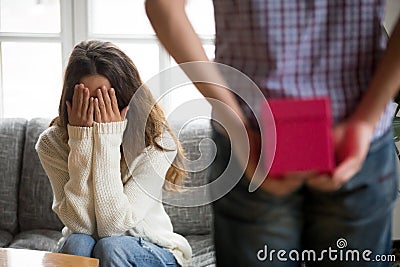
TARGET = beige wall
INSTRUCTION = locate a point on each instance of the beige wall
(392, 13)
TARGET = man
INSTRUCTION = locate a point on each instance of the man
(300, 49)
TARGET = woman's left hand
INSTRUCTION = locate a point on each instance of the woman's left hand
(106, 106)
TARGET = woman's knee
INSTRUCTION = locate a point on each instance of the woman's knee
(109, 246)
(129, 251)
(115, 251)
(78, 244)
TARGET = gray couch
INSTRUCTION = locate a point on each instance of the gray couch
(26, 218)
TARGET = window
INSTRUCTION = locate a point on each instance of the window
(30, 57)
(37, 36)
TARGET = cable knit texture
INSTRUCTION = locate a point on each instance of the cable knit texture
(97, 194)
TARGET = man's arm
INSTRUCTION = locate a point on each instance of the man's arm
(353, 136)
(176, 33)
(384, 84)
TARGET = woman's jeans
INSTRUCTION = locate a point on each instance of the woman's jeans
(309, 226)
(118, 251)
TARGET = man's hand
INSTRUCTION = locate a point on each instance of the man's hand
(106, 106)
(352, 140)
(80, 112)
(273, 185)
(285, 185)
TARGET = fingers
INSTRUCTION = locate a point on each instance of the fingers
(75, 95)
(79, 98)
(85, 109)
(107, 106)
(114, 102)
(85, 103)
(324, 183)
(90, 111)
(300, 176)
(68, 109)
(347, 169)
(79, 110)
(282, 186)
(101, 104)
(102, 108)
(107, 100)
(97, 112)
(114, 105)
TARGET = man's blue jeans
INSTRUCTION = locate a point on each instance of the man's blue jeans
(119, 251)
(249, 226)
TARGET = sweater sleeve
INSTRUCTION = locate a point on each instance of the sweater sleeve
(120, 207)
(70, 176)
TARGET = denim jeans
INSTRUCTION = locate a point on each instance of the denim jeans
(251, 228)
(119, 251)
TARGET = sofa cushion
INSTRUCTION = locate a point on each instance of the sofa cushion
(189, 220)
(36, 195)
(203, 250)
(196, 142)
(46, 240)
(5, 238)
(12, 136)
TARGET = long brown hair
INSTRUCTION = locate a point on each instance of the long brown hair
(104, 58)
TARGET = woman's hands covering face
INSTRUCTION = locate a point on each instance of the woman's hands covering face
(81, 111)
(84, 109)
(106, 106)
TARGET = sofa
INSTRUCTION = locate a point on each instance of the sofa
(27, 220)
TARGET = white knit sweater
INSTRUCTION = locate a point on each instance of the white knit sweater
(94, 195)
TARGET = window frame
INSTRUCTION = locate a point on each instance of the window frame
(75, 19)
(64, 37)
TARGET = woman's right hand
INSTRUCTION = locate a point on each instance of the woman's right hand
(80, 112)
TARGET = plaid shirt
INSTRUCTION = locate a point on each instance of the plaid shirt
(305, 48)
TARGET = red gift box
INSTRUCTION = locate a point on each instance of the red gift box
(303, 135)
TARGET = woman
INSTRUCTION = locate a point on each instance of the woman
(106, 212)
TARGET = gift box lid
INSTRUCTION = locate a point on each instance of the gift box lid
(289, 109)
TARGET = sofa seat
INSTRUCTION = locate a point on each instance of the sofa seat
(27, 220)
